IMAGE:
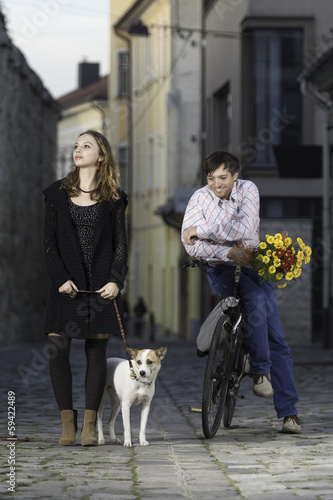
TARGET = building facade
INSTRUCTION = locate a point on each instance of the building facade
(218, 74)
(28, 131)
(119, 85)
(256, 51)
(83, 109)
(164, 146)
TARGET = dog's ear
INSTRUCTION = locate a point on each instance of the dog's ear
(161, 352)
(132, 352)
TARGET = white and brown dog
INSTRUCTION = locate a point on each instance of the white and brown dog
(127, 386)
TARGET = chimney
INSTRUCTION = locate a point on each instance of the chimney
(88, 73)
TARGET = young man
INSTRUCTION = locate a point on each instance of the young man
(221, 220)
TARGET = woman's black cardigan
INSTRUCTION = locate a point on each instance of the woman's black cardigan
(71, 317)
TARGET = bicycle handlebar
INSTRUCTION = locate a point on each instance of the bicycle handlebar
(209, 262)
(213, 262)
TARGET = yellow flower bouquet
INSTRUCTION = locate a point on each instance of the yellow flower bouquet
(277, 258)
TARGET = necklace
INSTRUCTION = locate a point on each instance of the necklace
(83, 191)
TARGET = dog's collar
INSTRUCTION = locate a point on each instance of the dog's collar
(134, 377)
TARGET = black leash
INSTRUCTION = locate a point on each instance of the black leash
(122, 331)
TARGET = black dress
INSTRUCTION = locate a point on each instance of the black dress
(84, 219)
(90, 253)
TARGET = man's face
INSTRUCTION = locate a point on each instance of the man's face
(221, 182)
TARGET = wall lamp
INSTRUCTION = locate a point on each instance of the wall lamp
(138, 29)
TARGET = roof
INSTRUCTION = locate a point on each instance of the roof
(96, 90)
(133, 14)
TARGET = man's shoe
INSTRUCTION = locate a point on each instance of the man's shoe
(291, 425)
(262, 386)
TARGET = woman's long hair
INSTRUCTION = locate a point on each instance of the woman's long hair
(108, 186)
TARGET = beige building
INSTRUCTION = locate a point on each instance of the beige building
(118, 133)
(84, 108)
(163, 142)
(190, 77)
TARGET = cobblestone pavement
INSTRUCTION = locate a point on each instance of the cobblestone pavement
(251, 460)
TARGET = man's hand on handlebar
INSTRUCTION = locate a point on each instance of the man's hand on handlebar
(190, 235)
(240, 255)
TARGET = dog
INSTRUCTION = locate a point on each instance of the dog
(126, 387)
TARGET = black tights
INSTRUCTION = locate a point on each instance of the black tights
(61, 373)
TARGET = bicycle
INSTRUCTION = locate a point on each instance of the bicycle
(227, 357)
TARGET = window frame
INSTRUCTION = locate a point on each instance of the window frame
(249, 25)
(122, 74)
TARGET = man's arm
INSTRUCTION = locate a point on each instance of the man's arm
(193, 217)
(237, 255)
(199, 210)
(241, 228)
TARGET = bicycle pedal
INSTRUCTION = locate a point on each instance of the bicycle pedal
(195, 410)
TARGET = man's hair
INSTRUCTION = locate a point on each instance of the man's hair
(218, 158)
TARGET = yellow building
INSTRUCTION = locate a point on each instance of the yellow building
(164, 146)
(119, 92)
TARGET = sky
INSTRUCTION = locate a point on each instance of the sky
(56, 35)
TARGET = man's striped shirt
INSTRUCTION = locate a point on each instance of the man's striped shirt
(221, 224)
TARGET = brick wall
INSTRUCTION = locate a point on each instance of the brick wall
(28, 120)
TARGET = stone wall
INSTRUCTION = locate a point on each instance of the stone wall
(294, 301)
(28, 121)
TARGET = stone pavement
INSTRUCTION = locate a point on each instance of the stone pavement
(251, 460)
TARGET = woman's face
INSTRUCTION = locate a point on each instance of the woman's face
(86, 152)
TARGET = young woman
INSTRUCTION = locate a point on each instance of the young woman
(85, 250)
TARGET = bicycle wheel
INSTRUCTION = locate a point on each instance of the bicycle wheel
(215, 384)
(231, 396)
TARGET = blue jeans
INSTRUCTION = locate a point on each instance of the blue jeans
(269, 351)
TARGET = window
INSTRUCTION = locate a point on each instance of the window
(150, 180)
(277, 64)
(165, 40)
(136, 166)
(156, 52)
(272, 98)
(221, 108)
(159, 160)
(149, 62)
(207, 4)
(123, 74)
(137, 65)
(65, 161)
(123, 166)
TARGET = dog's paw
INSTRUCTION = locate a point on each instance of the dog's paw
(115, 441)
(128, 444)
(144, 443)
(101, 441)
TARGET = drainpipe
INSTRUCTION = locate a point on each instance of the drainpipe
(327, 232)
(95, 105)
(326, 105)
(127, 38)
(205, 288)
(203, 135)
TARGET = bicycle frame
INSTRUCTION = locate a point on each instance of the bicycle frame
(226, 358)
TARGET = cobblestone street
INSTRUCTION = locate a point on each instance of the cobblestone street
(251, 460)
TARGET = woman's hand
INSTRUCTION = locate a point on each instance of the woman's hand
(109, 291)
(69, 288)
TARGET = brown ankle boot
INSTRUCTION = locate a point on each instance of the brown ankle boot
(88, 434)
(69, 428)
